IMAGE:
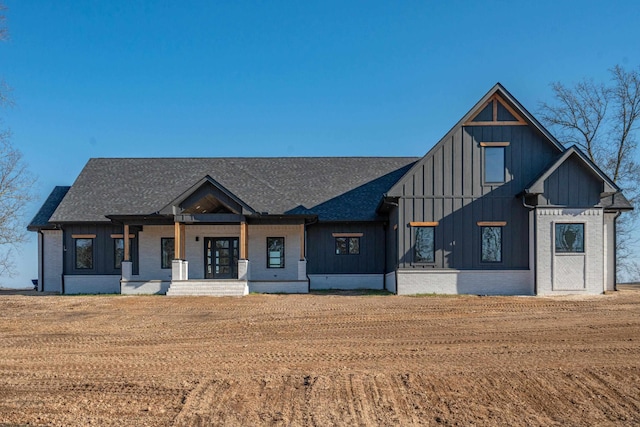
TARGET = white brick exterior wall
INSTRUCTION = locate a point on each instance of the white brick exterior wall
(346, 281)
(51, 276)
(609, 252)
(476, 282)
(258, 252)
(149, 253)
(195, 250)
(144, 287)
(569, 273)
(293, 287)
(92, 284)
(390, 281)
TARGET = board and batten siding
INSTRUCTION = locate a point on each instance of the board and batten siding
(321, 250)
(447, 187)
(103, 248)
(391, 249)
(571, 185)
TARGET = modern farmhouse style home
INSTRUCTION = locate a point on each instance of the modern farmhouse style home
(498, 206)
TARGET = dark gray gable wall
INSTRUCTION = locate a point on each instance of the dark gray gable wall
(571, 185)
(446, 186)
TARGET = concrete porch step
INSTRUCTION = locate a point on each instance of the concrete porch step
(208, 288)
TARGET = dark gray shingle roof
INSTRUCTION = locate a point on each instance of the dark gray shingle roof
(41, 219)
(333, 187)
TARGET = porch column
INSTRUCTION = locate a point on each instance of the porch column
(125, 236)
(126, 266)
(243, 262)
(244, 240)
(302, 242)
(179, 242)
(179, 266)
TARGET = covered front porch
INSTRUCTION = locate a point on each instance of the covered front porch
(209, 242)
(223, 252)
(205, 257)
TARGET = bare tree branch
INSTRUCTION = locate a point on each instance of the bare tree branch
(603, 120)
(15, 183)
(578, 114)
(4, 32)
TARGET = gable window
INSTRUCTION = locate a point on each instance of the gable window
(491, 240)
(347, 243)
(84, 253)
(569, 238)
(118, 252)
(424, 248)
(167, 248)
(494, 164)
(275, 252)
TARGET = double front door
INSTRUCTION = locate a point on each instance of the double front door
(221, 257)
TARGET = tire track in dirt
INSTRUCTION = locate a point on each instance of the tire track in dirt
(320, 360)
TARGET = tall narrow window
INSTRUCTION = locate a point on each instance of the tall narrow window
(84, 254)
(493, 165)
(424, 245)
(275, 252)
(168, 251)
(569, 238)
(118, 252)
(491, 244)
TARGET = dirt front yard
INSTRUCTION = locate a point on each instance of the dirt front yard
(318, 360)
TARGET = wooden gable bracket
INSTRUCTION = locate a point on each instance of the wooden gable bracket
(494, 100)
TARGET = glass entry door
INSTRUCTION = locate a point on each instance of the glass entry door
(221, 257)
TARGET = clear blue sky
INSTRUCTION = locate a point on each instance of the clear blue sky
(271, 78)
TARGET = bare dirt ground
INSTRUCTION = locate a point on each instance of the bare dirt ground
(318, 360)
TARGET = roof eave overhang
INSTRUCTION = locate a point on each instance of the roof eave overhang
(386, 201)
(42, 227)
(152, 219)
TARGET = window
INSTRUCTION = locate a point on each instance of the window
(275, 252)
(168, 251)
(424, 245)
(569, 238)
(118, 252)
(347, 245)
(493, 164)
(84, 254)
(491, 244)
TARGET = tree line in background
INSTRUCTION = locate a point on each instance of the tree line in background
(602, 118)
(15, 182)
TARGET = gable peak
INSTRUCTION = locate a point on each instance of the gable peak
(495, 111)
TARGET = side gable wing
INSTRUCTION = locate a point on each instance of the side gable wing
(608, 186)
(573, 180)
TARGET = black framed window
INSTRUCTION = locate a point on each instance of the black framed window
(491, 244)
(275, 252)
(494, 164)
(118, 252)
(84, 254)
(424, 245)
(347, 245)
(569, 238)
(167, 247)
